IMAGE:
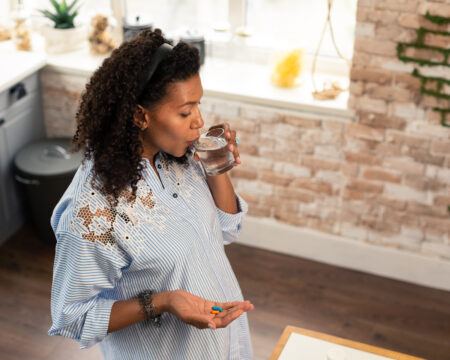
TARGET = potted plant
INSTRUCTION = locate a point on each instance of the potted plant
(63, 36)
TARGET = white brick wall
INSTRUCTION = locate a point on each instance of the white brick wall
(384, 179)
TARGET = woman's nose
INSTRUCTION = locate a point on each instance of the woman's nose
(197, 122)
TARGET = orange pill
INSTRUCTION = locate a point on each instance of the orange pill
(214, 312)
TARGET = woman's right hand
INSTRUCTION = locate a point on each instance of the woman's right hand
(196, 311)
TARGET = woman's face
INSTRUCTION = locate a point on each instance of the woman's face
(176, 121)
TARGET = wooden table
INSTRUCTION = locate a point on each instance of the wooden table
(297, 344)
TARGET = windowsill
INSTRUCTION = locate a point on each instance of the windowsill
(251, 83)
(235, 81)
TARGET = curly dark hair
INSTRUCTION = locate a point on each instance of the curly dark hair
(105, 128)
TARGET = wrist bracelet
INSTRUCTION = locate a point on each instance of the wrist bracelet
(146, 300)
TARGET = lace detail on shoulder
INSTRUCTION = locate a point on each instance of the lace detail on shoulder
(143, 209)
(97, 223)
(97, 220)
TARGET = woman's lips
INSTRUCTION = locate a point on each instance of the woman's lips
(192, 141)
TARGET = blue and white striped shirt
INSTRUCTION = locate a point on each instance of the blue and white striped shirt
(170, 237)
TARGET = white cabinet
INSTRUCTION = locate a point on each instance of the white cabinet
(20, 123)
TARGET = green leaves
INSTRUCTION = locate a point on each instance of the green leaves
(438, 84)
(64, 14)
(440, 20)
(56, 6)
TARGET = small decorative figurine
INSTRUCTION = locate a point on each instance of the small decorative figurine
(100, 39)
(22, 36)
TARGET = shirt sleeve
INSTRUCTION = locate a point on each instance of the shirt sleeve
(231, 224)
(84, 274)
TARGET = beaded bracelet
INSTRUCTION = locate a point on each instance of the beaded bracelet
(146, 300)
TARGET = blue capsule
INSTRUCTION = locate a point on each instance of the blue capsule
(217, 308)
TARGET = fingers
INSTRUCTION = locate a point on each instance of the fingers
(228, 305)
(196, 311)
(230, 316)
(230, 135)
(231, 311)
(247, 305)
(225, 318)
(244, 305)
(202, 321)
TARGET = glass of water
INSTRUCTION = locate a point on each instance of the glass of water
(212, 149)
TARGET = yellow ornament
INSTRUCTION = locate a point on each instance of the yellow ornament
(288, 68)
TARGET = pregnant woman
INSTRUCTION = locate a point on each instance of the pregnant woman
(140, 265)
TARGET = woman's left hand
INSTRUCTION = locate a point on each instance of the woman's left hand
(230, 135)
(196, 311)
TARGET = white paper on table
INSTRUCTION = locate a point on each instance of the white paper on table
(302, 347)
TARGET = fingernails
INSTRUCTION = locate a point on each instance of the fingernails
(211, 326)
(231, 147)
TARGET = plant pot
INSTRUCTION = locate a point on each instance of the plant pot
(64, 40)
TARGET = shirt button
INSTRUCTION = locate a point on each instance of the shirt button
(175, 195)
(159, 166)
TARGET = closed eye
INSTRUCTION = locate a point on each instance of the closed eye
(187, 114)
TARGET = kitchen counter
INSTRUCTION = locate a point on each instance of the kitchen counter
(17, 65)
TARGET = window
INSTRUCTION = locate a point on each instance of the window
(299, 23)
(87, 7)
(170, 15)
(275, 23)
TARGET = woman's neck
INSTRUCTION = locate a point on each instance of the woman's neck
(149, 151)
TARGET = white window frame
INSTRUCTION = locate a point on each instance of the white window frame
(232, 46)
(237, 18)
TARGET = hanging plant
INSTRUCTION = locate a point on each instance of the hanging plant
(440, 83)
(437, 19)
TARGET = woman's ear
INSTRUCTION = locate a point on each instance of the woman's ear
(141, 118)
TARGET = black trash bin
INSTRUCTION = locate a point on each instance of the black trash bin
(44, 170)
